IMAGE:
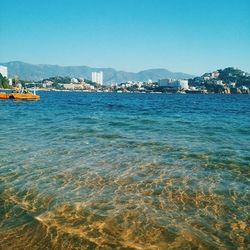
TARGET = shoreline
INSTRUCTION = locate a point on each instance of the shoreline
(129, 92)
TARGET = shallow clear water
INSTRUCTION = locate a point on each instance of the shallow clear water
(125, 171)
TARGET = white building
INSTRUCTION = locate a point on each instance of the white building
(97, 77)
(4, 71)
(215, 74)
(149, 82)
(165, 82)
(183, 84)
(176, 84)
(79, 86)
(74, 80)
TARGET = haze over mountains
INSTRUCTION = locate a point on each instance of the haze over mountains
(35, 72)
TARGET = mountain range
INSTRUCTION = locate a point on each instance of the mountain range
(36, 72)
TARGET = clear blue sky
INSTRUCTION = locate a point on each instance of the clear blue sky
(192, 36)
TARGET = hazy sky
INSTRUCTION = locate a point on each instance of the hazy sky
(192, 36)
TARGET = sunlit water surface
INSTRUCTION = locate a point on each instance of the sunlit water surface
(125, 171)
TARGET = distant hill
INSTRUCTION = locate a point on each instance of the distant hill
(35, 72)
(232, 74)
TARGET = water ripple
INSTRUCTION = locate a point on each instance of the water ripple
(125, 171)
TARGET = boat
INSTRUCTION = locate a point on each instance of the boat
(22, 95)
(4, 95)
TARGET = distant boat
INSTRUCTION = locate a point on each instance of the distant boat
(23, 95)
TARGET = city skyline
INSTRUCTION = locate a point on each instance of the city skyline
(183, 36)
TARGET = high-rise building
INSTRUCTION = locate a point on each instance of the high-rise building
(97, 77)
(4, 71)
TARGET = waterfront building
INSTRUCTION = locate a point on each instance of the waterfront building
(74, 80)
(71, 86)
(183, 84)
(4, 71)
(47, 83)
(174, 84)
(97, 77)
(149, 82)
(78, 86)
(165, 82)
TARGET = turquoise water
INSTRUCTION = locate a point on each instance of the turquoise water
(125, 171)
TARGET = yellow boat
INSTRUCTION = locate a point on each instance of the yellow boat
(19, 96)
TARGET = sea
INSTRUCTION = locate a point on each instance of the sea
(125, 171)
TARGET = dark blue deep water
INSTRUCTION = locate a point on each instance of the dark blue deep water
(125, 171)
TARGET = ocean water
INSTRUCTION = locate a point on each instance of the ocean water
(125, 171)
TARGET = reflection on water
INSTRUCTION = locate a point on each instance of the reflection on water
(109, 171)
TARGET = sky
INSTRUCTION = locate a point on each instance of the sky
(191, 36)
